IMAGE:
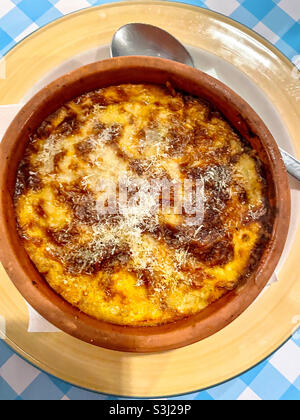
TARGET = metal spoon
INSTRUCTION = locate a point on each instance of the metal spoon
(143, 39)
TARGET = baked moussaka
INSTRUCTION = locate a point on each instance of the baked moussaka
(165, 252)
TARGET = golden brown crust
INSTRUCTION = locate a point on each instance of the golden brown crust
(157, 270)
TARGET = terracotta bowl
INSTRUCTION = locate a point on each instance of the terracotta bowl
(32, 285)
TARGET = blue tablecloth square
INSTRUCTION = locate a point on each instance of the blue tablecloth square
(39, 9)
(6, 392)
(249, 376)
(292, 37)
(7, 48)
(292, 394)
(259, 8)
(204, 396)
(63, 386)
(286, 49)
(5, 43)
(278, 21)
(230, 390)
(42, 388)
(5, 353)
(270, 384)
(81, 394)
(5, 39)
(297, 383)
(14, 22)
(49, 16)
(242, 15)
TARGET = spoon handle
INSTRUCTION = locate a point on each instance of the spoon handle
(292, 164)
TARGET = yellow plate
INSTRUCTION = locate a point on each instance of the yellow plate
(269, 321)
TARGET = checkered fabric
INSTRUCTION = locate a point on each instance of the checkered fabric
(277, 378)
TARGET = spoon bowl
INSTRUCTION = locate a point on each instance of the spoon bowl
(142, 39)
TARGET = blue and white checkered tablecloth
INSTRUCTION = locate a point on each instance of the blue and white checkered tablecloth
(277, 378)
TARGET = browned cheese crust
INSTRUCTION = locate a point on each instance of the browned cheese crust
(140, 270)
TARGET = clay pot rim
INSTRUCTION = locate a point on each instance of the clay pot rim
(69, 319)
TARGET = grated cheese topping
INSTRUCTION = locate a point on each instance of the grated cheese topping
(141, 264)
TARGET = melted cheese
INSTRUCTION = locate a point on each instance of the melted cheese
(139, 269)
